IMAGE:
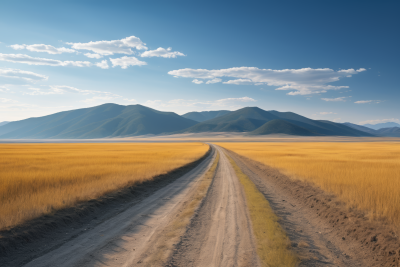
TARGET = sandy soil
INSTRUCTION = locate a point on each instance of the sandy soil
(220, 234)
(323, 230)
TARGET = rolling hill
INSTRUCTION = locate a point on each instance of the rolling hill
(390, 132)
(108, 120)
(387, 132)
(281, 127)
(251, 118)
(382, 125)
(3, 123)
(204, 115)
(361, 128)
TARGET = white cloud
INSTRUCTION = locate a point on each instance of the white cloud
(215, 80)
(239, 81)
(367, 101)
(43, 48)
(6, 100)
(303, 81)
(379, 121)
(197, 81)
(21, 58)
(8, 76)
(103, 64)
(4, 89)
(63, 89)
(162, 52)
(125, 62)
(130, 100)
(337, 99)
(336, 120)
(107, 48)
(90, 55)
(327, 113)
(226, 103)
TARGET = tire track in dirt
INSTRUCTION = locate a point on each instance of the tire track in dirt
(323, 231)
(221, 233)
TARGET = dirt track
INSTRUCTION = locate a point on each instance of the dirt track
(220, 233)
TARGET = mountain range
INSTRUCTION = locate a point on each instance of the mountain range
(389, 131)
(204, 115)
(112, 120)
(3, 123)
(108, 120)
(250, 119)
(382, 125)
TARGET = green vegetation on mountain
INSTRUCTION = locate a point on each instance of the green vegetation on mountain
(281, 127)
(251, 118)
(204, 115)
(108, 120)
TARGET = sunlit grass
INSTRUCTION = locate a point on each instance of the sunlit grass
(37, 179)
(273, 245)
(365, 175)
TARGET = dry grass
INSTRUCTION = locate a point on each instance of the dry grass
(364, 175)
(176, 228)
(273, 245)
(37, 179)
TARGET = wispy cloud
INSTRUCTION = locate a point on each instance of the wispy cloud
(215, 80)
(162, 52)
(379, 121)
(64, 89)
(8, 76)
(197, 81)
(91, 55)
(368, 101)
(21, 58)
(337, 99)
(226, 103)
(108, 48)
(303, 81)
(125, 62)
(103, 64)
(43, 48)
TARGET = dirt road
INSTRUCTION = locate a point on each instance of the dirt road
(221, 233)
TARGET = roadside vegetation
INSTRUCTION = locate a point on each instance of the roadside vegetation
(273, 245)
(364, 175)
(38, 179)
(177, 227)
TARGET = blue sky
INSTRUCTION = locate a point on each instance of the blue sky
(334, 60)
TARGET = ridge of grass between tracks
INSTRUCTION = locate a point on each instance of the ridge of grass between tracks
(273, 245)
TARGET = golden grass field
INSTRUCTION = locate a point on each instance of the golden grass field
(37, 179)
(273, 245)
(364, 175)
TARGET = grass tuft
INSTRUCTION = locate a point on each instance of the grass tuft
(273, 245)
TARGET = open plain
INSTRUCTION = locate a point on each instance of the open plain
(213, 213)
